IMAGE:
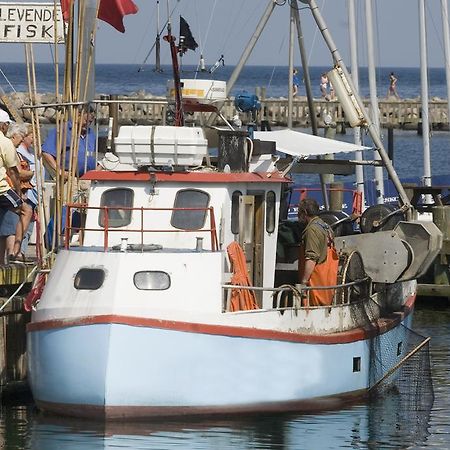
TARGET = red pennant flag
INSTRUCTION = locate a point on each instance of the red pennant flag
(110, 11)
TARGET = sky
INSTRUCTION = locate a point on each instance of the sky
(225, 27)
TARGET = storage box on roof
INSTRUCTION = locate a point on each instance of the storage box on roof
(161, 145)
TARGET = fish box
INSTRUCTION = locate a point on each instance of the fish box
(161, 145)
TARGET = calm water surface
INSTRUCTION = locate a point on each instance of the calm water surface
(383, 423)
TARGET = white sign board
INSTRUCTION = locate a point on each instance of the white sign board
(30, 22)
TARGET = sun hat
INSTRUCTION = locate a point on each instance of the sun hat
(110, 161)
(4, 117)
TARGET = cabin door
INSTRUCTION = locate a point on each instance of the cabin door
(251, 235)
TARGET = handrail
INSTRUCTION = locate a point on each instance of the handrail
(298, 290)
(106, 229)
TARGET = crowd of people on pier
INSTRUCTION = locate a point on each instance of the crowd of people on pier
(18, 184)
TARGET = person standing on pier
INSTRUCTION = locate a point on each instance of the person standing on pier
(392, 91)
(295, 82)
(324, 86)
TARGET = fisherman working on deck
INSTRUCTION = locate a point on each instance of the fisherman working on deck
(318, 259)
(86, 146)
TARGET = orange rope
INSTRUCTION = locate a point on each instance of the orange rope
(241, 299)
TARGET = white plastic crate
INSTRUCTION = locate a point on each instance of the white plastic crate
(161, 145)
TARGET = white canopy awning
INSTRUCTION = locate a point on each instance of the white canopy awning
(304, 145)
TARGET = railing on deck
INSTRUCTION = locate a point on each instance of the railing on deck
(106, 229)
(296, 297)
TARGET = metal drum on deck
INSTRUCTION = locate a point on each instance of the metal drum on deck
(375, 218)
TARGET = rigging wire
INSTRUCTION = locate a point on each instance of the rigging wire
(141, 67)
(316, 31)
(234, 21)
(207, 30)
(144, 36)
(274, 67)
(7, 80)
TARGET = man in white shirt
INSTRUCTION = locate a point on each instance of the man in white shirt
(10, 199)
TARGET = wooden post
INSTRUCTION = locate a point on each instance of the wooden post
(336, 196)
(114, 113)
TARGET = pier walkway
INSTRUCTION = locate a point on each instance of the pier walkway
(150, 110)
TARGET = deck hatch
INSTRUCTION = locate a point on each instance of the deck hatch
(152, 280)
(89, 279)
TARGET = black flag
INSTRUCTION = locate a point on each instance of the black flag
(187, 41)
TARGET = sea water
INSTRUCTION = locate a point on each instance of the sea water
(128, 79)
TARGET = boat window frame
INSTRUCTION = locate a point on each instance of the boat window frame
(128, 212)
(77, 279)
(175, 220)
(271, 212)
(169, 284)
(234, 223)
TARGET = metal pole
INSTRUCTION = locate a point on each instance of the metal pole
(88, 51)
(424, 90)
(359, 171)
(309, 94)
(291, 67)
(374, 112)
(372, 130)
(445, 32)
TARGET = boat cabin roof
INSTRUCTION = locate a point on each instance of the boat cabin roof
(187, 177)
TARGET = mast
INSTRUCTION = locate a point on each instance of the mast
(309, 94)
(445, 32)
(424, 95)
(374, 111)
(355, 77)
(157, 42)
(179, 116)
(372, 130)
(291, 67)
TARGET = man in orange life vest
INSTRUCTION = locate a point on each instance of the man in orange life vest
(318, 259)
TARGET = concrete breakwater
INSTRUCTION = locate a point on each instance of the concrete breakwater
(146, 109)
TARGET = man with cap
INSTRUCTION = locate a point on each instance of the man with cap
(10, 199)
(86, 146)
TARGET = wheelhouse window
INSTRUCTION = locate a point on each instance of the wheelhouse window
(89, 279)
(152, 280)
(270, 211)
(235, 212)
(116, 200)
(190, 219)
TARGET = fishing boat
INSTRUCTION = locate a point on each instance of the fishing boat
(174, 293)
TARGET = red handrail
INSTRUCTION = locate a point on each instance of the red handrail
(106, 229)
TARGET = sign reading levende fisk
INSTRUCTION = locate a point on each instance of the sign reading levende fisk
(30, 22)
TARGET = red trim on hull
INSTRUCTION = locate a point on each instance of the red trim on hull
(142, 412)
(381, 326)
(187, 177)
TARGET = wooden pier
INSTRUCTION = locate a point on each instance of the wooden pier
(145, 109)
(13, 321)
(399, 114)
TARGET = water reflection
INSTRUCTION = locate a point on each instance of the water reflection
(397, 420)
(383, 423)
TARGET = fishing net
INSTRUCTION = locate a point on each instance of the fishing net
(401, 402)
